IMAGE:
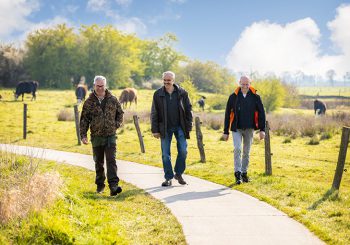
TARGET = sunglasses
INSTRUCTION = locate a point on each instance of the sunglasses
(100, 86)
(167, 80)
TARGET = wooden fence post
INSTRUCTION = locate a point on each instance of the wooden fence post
(341, 158)
(77, 126)
(200, 139)
(268, 167)
(24, 121)
(137, 126)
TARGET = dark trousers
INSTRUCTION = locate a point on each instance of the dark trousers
(99, 153)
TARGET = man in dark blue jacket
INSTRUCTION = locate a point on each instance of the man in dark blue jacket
(244, 114)
(172, 115)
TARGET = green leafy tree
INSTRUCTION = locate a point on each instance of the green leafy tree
(160, 56)
(188, 85)
(51, 56)
(209, 76)
(106, 51)
(272, 93)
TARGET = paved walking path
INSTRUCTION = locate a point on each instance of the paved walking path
(209, 213)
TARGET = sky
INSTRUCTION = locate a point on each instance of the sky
(245, 36)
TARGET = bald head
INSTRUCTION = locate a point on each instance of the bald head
(244, 83)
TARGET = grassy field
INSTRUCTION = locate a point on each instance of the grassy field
(299, 186)
(335, 91)
(80, 216)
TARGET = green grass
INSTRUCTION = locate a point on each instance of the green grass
(334, 91)
(299, 186)
(82, 217)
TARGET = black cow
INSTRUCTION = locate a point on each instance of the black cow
(81, 92)
(201, 102)
(320, 107)
(29, 87)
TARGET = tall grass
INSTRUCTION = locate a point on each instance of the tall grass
(22, 188)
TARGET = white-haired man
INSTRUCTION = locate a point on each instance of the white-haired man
(172, 115)
(244, 114)
(103, 114)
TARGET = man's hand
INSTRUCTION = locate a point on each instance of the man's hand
(224, 137)
(85, 141)
(156, 135)
(262, 135)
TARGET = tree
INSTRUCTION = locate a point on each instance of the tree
(209, 76)
(271, 92)
(330, 74)
(52, 56)
(160, 56)
(11, 65)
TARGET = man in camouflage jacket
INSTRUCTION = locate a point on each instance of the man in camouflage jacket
(103, 114)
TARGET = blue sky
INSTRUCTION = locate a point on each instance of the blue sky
(264, 36)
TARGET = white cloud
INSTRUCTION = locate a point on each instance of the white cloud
(270, 47)
(13, 16)
(131, 25)
(340, 27)
(123, 3)
(97, 5)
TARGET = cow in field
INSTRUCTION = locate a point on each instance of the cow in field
(320, 107)
(201, 102)
(128, 95)
(28, 87)
(80, 92)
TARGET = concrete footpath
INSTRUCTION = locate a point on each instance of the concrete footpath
(209, 213)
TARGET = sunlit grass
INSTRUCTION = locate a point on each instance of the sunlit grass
(302, 173)
(81, 216)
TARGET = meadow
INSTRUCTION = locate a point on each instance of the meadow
(78, 215)
(302, 173)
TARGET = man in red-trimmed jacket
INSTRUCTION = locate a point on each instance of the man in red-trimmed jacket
(244, 114)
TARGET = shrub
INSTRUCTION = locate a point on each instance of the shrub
(217, 102)
(287, 140)
(326, 135)
(65, 115)
(272, 93)
(314, 141)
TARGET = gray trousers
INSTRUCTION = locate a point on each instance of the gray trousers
(242, 162)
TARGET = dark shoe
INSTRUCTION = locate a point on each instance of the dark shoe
(179, 178)
(238, 178)
(167, 182)
(115, 190)
(100, 189)
(245, 178)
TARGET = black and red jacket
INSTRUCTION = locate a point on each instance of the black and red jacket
(231, 113)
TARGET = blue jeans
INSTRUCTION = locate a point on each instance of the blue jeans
(180, 164)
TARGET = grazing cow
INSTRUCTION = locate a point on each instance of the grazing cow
(29, 87)
(201, 102)
(128, 95)
(81, 92)
(319, 107)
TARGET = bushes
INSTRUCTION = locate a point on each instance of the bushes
(217, 102)
(294, 125)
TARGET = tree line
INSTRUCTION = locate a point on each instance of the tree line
(59, 56)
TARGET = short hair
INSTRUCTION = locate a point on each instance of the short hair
(245, 76)
(99, 77)
(169, 73)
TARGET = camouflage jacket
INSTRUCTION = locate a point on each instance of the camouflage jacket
(103, 118)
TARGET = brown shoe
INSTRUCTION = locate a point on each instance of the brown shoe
(179, 178)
